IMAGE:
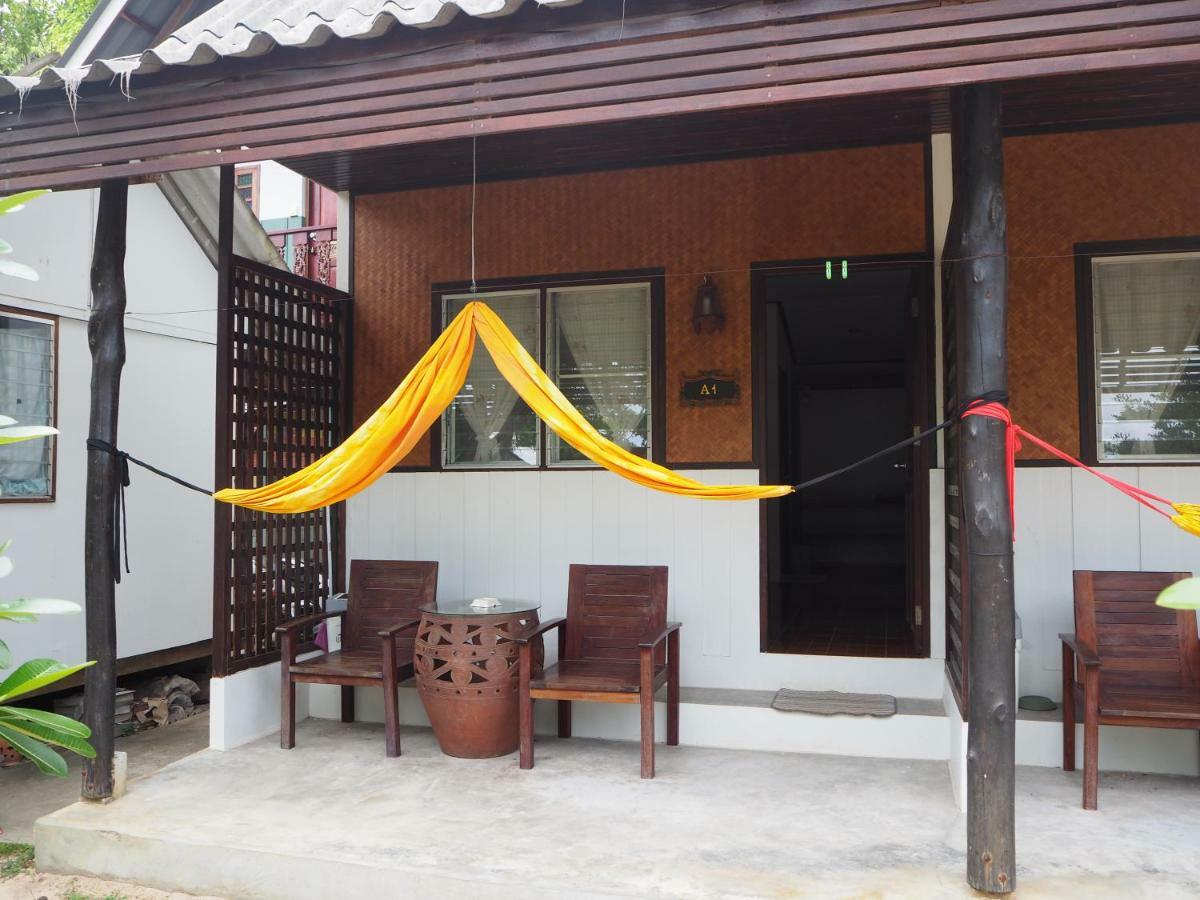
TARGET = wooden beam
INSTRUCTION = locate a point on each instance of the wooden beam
(493, 89)
(106, 338)
(223, 438)
(991, 700)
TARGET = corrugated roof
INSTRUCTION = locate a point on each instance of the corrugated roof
(242, 28)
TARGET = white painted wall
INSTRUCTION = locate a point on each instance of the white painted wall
(1068, 519)
(167, 407)
(516, 533)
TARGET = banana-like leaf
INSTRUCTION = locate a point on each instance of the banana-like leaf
(46, 759)
(18, 270)
(5, 246)
(64, 724)
(6, 566)
(35, 674)
(5, 656)
(1183, 594)
(45, 734)
(4, 422)
(40, 606)
(18, 201)
(14, 433)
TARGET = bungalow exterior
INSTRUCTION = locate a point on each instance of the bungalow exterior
(734, 237)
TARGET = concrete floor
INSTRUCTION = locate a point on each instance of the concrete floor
(26, 794)
(334, 818)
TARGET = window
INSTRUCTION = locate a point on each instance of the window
(1146, 360)
(595, 341)
(27, 394)
(246, 184)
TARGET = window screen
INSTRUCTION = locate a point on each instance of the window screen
(27, 395)
(1147, 339)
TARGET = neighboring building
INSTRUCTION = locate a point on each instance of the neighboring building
(299, 214)
(165, 602)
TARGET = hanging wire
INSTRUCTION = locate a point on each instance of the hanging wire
(474, 187)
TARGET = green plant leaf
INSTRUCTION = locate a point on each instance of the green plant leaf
(18, 270)
(45, 733)
(6, 566)
(1181, 595)
(40, 606)
(17, 201)
(5, 246)
(37, 673)
(5, 656)
(51, 720)
(46, 759)
(14, 433)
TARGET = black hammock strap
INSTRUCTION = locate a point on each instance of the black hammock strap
(118, 516)
(989, 397)
(120, 530)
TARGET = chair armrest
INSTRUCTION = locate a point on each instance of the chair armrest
(395, 629)
(656, 640)
(541, 628)
(1082, 651)
(296, 624)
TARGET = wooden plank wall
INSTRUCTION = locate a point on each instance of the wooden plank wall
(714, 217)
(481, 78)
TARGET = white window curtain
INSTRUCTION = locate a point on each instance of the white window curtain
(600, 357)
(27, 395)
(1147, 332)
(488, 403)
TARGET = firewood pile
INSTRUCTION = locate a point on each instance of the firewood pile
(160, 700)
(165, 700)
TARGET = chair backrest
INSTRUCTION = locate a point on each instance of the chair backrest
(611, 609)
(1139, 644)
(381, 592)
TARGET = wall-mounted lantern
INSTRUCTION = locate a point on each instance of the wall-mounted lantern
(707, 314)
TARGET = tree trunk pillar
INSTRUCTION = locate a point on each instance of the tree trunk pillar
(991, 701)
(106, 339)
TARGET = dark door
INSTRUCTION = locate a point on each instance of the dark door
(845, 562)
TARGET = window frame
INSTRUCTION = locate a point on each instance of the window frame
(543, 284)
(1085, 255)
(255, 173)
(54, 322)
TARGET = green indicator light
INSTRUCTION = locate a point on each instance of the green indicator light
(845, 269)
(829, 270)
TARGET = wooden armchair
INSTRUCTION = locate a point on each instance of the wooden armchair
(615, 646)
(1129, 662)
(385, 596)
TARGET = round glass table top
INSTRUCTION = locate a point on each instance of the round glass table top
(504, 606)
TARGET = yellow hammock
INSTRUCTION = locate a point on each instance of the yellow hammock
(392, 430)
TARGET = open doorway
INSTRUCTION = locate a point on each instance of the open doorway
(843, 356)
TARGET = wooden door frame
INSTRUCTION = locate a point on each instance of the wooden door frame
(920, 265)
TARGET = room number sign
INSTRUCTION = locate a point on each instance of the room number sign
(710, 388)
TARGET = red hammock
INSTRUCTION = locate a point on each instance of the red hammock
(1184, 515)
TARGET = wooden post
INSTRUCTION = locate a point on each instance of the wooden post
(106, 338)
(991, 701)
(223, 438)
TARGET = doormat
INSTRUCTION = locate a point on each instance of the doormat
(834, 703)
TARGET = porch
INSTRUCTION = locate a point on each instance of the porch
(335, 818)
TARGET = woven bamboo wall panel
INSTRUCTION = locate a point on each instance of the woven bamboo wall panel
(1064, 189)
(714, 217)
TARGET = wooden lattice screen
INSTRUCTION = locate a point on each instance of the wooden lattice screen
(283, 388)
(957, 606)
